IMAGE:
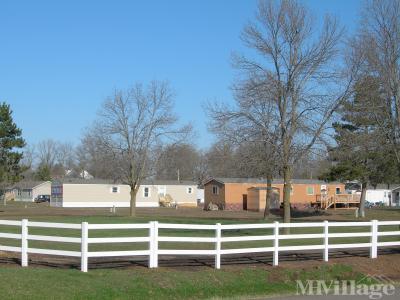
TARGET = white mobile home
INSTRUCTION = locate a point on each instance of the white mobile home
(378, 196)
(101, 193)
(386, 194)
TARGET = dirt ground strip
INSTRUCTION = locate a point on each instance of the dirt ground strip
(387, 263)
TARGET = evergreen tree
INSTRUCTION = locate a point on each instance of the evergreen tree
(43, 173)
(361, 152)
(10, 142)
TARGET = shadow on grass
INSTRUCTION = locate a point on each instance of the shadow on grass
(186, 262)
(301, 213)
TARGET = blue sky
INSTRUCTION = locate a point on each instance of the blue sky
(60, 59)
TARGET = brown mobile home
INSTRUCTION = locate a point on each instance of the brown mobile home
(249, 194)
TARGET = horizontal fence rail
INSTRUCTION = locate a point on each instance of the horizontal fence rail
(218, 236)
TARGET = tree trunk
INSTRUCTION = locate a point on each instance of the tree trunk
(286, 195)
(362, 199)
(132, 210)
(268, 198)
(3, 194)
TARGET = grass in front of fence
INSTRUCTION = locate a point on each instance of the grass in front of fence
(165, 283)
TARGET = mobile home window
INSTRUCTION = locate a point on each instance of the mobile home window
(310, 190)
(146, 192)
(215, 190)
(189, 190)
(115, 189)
(338, 190)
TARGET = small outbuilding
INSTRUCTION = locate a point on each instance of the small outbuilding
(256, 198)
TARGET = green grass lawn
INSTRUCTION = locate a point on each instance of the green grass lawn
(164, 283)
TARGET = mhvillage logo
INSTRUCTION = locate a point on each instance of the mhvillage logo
(373, 286)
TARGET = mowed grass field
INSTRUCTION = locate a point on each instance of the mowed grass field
(179, 282)
(164, 283)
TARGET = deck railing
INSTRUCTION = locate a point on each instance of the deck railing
(326, 201)
(220, 235)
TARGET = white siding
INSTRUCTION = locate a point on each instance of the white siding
(41, 189)
(375, 196)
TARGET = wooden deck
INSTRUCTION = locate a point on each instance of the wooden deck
(339, 201)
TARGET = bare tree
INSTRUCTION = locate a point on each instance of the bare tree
(131, 124)
(249, 125)
(93, 157)
(219, 160)
(29, 156)
(57, 157)
(47, 153)
(297, 67)
(65, 155)
(178, 161)
(28, 161)
(379, 38)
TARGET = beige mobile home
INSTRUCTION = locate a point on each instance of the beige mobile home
(101, 193)
(182, 193)
(89, 193)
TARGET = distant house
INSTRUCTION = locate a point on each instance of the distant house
(249, 193)
(104, 193)
(28, 190)
(78, 174)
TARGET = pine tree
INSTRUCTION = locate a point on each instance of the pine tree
(361, 153)
(10, 142)
(43, 173)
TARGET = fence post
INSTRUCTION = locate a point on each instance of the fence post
(155, 247)
(326, 240)
(84, 246)
(24, 243)
(151, 244)
(276, 244)
(218, 246)
(374, 239)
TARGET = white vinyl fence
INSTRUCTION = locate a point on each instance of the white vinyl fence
(217, 239)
